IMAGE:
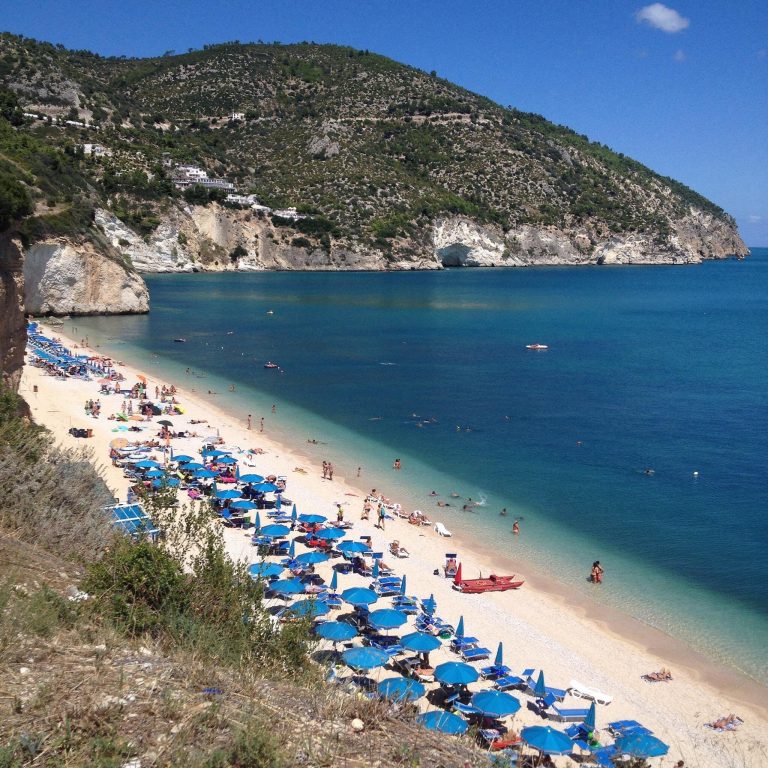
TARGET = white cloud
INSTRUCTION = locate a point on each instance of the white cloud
(679, 55)
(755, 219)
(661, 17)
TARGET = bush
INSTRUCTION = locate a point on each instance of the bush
(15, 202)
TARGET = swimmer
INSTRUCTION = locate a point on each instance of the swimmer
(433, 493)
(516, 528)
(454, 495)
(503, 512)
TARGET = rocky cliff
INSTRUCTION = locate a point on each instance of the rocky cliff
(13, 332)
(64, 276)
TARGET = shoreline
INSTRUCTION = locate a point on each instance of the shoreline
(578, 636)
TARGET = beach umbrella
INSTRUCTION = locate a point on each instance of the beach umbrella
(641, 745)
(311, 558)
(245, 504)
(359, 596)
(364, 658)
(334, 585)
(402, 586)
(590, 721)
(192, 465)
(311, 608)
(445, 722)
(460, 628)
(265, 487)
(547, 739)
(165, 423)
(146, 464)
(154, 473)
(292, 549)
(182, 459)
(352, 547)
(136, 417)
(495, 703)
(226, 460)
(250, 478)
(166, 482)
(294, 516)
(275, 530)
(264, 570)
(387, 618)
(212, 453)
(287, 586)
(375, 571)
(278, 503)
(201, 474)
(420, 642)
(118, 442)
(337, 631)
(540, 689)
(312, 519)
(456, 673)
(429, 605)
(227, 493)
(401, 689)
(257, 521)
(499, 660)
(329, 534)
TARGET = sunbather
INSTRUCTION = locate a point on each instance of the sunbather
(663, 675)
(728, 723)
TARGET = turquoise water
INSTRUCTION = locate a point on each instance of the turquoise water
(647, 368)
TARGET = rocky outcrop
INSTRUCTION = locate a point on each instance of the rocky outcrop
(66, 277)
(13, 329)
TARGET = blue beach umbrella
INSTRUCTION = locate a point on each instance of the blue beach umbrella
(499, 660)
(641, 745)
(460, 627)
(245, 504)
(226, 460)
(540, 689)
(152, 473)
(294, 516)
(264, 570)
(192, 465)
(359, 596)
(257, 521)
(495, 703)
(250, 478)
(227, 493)
(337, 631)
(166, 482)
(212, 453)
(278, 503)
(292, 549)
(387, 618)
(334, 585)
(312, 608)
(401, 689)
(353, 547)
(330, 534)
(547, 739)
(182, 459)
(265, 487)
(146, 464)
(445, 722)
(590, 721)
(311, 558)
(275, 530)
(420, 642)
(375, 571)
(364, 658)
(203, 473)
(287, 586)
(312, 519)
(429, 605)
(456, 673)
(402, 586)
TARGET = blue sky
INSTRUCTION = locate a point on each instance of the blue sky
(680, 86)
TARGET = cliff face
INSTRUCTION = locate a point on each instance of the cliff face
(66, 277)
(13, 330)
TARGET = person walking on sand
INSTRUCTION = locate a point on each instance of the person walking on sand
(325, 470)
(516, 528)
(250, 423)
(380, 516)
(330, 471)
(261, 424)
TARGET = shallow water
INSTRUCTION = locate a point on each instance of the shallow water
(648, 368)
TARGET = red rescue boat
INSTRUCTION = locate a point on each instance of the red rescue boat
(493, 583)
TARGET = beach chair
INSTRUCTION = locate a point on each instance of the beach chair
(620, 728)
(513, 681)
(558, 693)
(442, 530)
(460, 644)
(405, 604)
(467, 710)
(586, 692)
(390, 645)
(397, 550)
(475, 654)
(494, 672)
(552, 710)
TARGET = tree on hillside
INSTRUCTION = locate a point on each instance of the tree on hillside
(15, 202)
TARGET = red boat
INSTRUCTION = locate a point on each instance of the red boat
(492, 584)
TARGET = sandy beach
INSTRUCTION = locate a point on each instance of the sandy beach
(541, 625)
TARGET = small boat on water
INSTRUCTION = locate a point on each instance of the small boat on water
(270, 364)
(493, 583)
(536, 346)
(180, 341)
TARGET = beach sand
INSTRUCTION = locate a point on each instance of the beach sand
(542, 625)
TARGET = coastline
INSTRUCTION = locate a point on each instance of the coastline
(564, 632)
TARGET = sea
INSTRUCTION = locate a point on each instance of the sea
(639, 437)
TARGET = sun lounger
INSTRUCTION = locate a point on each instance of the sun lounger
(475, 654)
(558, 693)
(564, 714)
(465, 709)
(508, 682)
(397, 550)
(460, 644)
(585, 692)
(625, 727)
(442, 530)
(493, 672)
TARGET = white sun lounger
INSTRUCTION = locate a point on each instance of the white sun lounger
(585, 692)
(442, 530)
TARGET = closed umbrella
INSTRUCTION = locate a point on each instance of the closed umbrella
(590, 721)
(495, 703)
(456, 673)
(420, 642)
(429, 606)
(337, 631)
(499, 660)
(334, 585)
(292, 549)
(402, 586)
(364, 658)
(375, 571)
(257, 521)
(401, 689)
(540, 689)
(445, 722)
(359, 596)
(641, 745)
(547, 739)
(460, 628)
(387, 618)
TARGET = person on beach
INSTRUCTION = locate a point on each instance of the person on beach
(330, 471)
(325, 470)
(358, 471)
(274, 408)
(339, 514)
(380, 517)
(503, 512)
(261, 424)
(516, 528)
(366, 510)
(396, 465)
(597, 573)
(250, 423)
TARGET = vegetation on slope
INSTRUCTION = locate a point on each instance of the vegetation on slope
(377, 148)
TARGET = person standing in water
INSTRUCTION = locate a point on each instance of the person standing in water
(516, 528)
(597, 573)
